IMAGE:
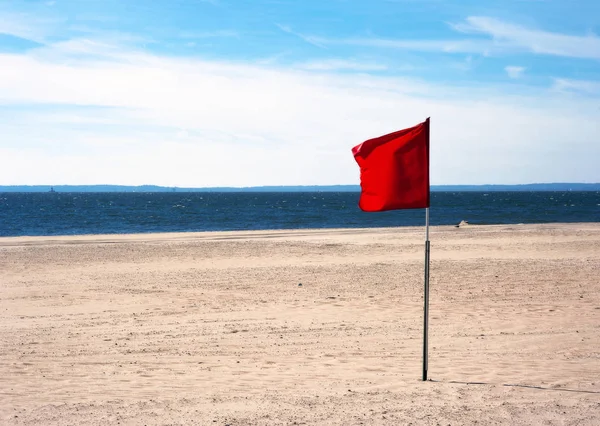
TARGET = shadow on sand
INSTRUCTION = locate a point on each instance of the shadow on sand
(516, 386)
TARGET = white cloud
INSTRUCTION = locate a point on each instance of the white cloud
(106, 114)
(309, 39)
(464, 65)
(208, 34)
(25, 26)
(506, 38)
(446, 46)
(82, 46)
(514, 71)
(341, 64)
(582, 86)
(533, 40)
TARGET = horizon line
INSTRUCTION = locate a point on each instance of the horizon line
(293, 185)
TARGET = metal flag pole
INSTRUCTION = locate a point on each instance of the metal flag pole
(426, 296)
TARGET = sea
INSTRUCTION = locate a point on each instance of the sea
(57, 213)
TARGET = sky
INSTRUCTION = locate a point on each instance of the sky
(204, 93)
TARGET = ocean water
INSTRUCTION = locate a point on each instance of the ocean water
(109, 213)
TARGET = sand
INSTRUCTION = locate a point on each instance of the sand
(302, 327)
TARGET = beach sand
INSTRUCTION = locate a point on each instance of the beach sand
(302, 327)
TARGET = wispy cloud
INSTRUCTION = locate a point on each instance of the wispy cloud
(26, 26)
(581, 86)
(106, 46)
(505, 38)
(341, 64)
(208, 34)
(447, 46)
(307, 38)
(466, 64)
(533, 40)
(514, 71)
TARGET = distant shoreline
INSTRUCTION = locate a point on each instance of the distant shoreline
(305, 188)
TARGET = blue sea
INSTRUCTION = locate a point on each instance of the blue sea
(112, 213)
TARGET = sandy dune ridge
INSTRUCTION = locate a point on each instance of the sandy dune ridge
(215, 328)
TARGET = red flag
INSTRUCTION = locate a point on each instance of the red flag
(394, 170)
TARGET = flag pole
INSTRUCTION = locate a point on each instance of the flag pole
(426, 298)
(426, 286)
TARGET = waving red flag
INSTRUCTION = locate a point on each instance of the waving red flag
(394, 170)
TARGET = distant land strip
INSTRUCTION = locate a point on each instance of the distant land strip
(307, 188)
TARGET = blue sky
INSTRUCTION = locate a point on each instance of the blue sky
(276, 92)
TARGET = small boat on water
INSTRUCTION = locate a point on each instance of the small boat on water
(52, 189)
